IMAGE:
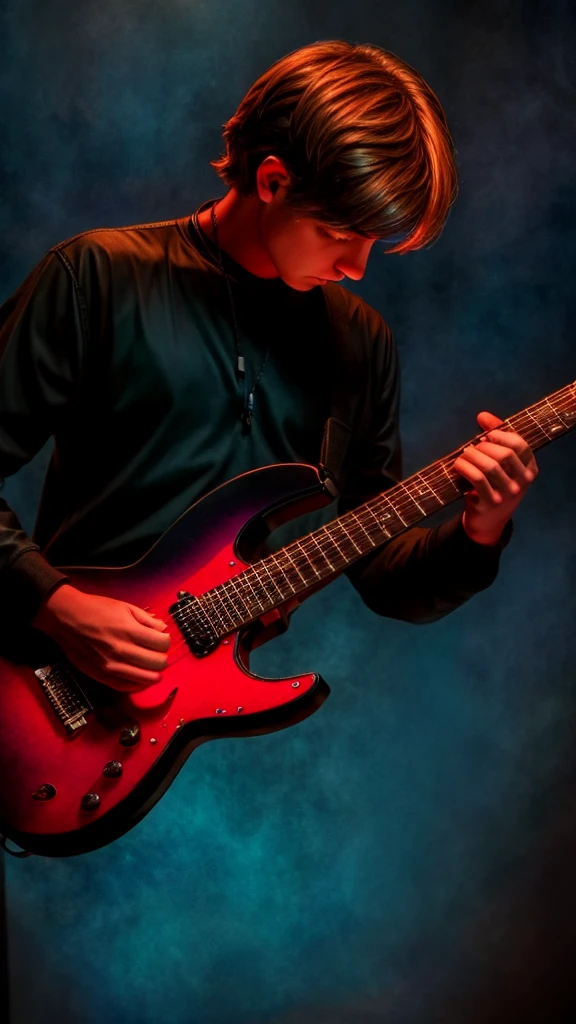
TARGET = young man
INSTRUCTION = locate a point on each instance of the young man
(167, 358)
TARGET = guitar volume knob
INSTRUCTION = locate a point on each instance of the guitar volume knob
(112, 769)
(130, 735)
(44, 792)
(90, 801)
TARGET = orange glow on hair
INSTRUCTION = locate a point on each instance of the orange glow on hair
(363, 136)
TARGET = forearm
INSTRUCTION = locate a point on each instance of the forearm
(423, 574)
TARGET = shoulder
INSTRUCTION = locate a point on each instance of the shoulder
(133, 245)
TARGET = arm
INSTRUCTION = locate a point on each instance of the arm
(42, 348)
(422, 574)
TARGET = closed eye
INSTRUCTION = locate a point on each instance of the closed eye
(334, 237)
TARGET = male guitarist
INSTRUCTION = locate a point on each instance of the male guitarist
(166, 358)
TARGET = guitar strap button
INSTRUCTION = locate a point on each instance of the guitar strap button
(90, 801)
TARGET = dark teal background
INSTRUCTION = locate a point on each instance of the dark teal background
(407, 854)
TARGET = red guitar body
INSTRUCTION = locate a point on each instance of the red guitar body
(68, 792)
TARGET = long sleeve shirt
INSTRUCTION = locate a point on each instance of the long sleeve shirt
(120, 345)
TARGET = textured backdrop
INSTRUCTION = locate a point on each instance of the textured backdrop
(406, 855)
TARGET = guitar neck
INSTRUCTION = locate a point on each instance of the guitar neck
(327, 551)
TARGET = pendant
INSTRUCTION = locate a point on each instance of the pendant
(246, 422)
(247, 414)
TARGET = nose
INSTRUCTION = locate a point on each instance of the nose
(353, 261)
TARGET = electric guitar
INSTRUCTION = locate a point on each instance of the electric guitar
(81, 763)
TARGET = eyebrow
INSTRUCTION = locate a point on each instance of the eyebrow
(350, 232)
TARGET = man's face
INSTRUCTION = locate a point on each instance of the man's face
(307, 252)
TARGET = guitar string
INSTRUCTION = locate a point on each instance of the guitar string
(398, 507)
(251, 575)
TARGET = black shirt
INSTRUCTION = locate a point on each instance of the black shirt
(120, 345)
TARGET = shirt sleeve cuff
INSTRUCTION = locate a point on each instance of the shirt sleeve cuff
(30, 578)
(468, 559)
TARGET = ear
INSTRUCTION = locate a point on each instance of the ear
(272, 177)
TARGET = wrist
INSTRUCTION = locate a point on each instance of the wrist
(486, 537)
(49, 611)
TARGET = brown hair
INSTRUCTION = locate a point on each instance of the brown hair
(362, 135)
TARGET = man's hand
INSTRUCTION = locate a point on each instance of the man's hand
(500, 469)
(114, 642)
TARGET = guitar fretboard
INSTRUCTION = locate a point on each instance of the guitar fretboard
(327, 551)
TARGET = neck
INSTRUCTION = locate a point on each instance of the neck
(323, 554)
(238, 226)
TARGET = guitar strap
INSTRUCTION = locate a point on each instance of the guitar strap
(338, 426)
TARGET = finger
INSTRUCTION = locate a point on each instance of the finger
(472, 472)
(142, 657)
(493, 471)
(495, 474)
(510, 439)
(130, 656)
(150, 639)
(146, 618)
(508, 460)
(488, 420)
(128, 677)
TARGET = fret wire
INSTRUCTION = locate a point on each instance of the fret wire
(414, 485)
(204, 612)
(411, 496)
(389, 501)
(264, 564)
(527, 431)
(274, 560)
(357, 518)
(287, 554)
(385, 502)
(557, 414)
(188, 616)
(538, 407)
(290, 570)
(383, 529)
(226, 599)
(355, 532)
(429, 486)
(309, 560)
(526, 422)
(324, 555)
(211, 596)
(326, 530)
(540, 427)
(351, 538)
(553, 422)
(233, 585)
(246, 579)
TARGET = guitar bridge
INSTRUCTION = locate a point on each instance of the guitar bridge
(66, 698)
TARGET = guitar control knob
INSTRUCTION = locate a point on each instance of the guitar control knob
(44, 792)
(90, 801)
(130, 735)
(112, 769)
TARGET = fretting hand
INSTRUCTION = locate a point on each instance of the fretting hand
(500, 470)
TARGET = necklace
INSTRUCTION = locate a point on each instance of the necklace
(248, 410)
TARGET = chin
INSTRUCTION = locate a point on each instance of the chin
(301, 284)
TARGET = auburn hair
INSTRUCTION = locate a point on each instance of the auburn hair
(362, 135)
